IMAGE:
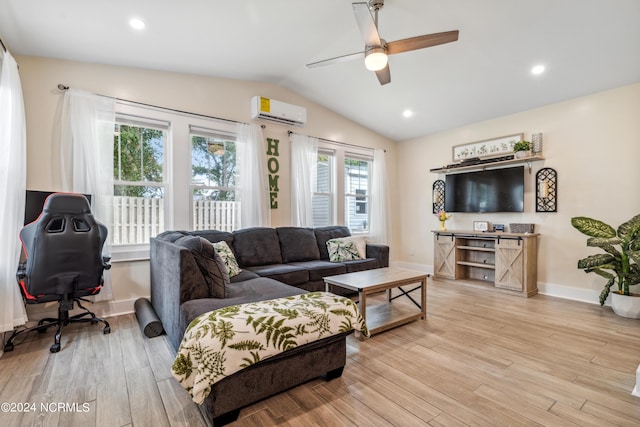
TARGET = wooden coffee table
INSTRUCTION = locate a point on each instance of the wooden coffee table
(384, 316)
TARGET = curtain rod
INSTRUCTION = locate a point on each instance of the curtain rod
(344, 144)
(64, 87)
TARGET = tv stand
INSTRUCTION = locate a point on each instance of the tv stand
(506, 262)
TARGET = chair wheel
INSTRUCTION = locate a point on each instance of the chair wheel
(54, 348)
(8, 347)
(106, 330)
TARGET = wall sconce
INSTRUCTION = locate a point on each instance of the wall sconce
(536, 143)
(547, 190)
(438, 196)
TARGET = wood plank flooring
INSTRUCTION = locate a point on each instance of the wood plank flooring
(482, 358)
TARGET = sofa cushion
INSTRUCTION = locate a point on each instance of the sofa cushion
(362, 264)
(257, 246)
(297, 244)
(171, 236)
(342, 250)
(252, 290)
(228, 257)
(327, 233)
(214, 236)
(285, 273)
(319, 268)
(209, 262)
(242, 276)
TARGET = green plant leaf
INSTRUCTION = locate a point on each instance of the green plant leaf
(596, 260)
(607, 244)
(593, 227)
(630, 229)
(605, 292)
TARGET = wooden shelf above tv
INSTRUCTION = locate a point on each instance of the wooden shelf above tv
(455, 168)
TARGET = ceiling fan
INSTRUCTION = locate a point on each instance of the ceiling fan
(376, 49)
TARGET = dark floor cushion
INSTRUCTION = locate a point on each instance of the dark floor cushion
(297, 244)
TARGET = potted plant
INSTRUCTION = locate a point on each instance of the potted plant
(522, 149)
(619, 264)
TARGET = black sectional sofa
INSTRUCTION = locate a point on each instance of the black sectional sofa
(275, 263)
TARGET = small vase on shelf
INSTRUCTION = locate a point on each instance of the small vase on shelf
(443, 227)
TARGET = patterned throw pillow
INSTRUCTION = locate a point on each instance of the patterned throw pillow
(342, 250)
(360, 242)
(227, 256)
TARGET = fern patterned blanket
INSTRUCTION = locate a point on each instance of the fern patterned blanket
(218, 343)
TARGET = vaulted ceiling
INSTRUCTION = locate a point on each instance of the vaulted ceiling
(585, 45)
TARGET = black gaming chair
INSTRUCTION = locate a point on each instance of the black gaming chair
(64, 262)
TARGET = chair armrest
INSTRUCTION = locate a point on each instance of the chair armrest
(21, 273)
(106, 262)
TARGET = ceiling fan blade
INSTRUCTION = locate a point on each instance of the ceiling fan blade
(420, 42)
(366, 24)
(336, 60)
(384, 75)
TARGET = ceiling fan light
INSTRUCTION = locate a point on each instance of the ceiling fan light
(375, 59)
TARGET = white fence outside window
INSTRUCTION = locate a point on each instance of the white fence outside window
(137, 219)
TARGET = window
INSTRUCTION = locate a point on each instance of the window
(324, 194)
(172, 170)
(356, 182)
(139, 180)
(213, 181)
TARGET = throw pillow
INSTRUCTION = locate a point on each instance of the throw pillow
(360, 242)
(209, 262)
(341, 250)
(227, 256)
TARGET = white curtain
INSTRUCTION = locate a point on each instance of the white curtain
(304, 172)
(13, 184)
(380, 230)
(253, 186)
(87, 123)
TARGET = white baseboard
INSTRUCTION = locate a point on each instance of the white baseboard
(100, 308)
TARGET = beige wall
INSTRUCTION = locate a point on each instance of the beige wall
(224, 98)
(592, 142)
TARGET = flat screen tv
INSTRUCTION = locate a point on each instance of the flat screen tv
(34, 202)
(495, 190)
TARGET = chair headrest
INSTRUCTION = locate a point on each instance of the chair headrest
(66, 203)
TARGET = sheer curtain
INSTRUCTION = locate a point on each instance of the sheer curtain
(87, 123)
(253, 187)
(13, 183)
(380, 230)
(304, 169)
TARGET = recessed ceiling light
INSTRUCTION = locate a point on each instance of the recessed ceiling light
(407, 113)
(538, 69)
(137, 24)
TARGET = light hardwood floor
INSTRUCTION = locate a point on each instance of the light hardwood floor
(481, 359)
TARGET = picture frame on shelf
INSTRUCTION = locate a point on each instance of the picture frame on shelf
(480, 226)
(487, 148)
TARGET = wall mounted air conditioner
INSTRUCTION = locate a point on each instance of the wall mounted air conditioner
(277, 111)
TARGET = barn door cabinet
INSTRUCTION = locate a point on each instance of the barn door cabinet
(506, 262)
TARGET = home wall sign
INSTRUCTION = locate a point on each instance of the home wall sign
(273, 165)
